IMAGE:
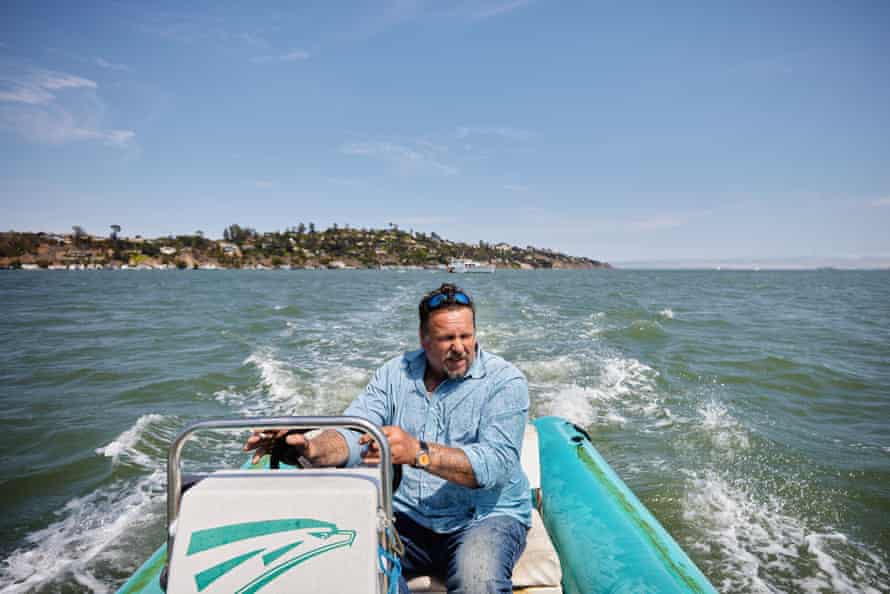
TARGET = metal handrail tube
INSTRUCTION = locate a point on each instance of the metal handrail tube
(174, 455)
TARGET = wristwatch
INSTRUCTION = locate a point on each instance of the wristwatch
(422, 459)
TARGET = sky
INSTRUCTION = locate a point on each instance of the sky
(621, 131)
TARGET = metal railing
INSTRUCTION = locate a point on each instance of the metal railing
(174, 459)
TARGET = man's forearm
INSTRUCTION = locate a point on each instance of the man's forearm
(452, 465)
(328, 448)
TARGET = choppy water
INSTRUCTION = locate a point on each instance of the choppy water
(749, 410)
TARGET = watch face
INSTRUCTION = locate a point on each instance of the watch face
(422, 460)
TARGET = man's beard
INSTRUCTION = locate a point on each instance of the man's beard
(455, 374)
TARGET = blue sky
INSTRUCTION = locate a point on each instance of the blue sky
(619, 131)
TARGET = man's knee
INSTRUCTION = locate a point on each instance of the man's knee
(484, 559)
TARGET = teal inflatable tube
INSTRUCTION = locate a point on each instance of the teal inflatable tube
(607, 541)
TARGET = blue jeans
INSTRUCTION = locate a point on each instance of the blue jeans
(478, 559)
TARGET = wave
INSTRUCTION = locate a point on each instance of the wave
(755, 545)
(579, 405)
(93, 531)
(614, 389)
(621, 377)
(124, 445)
(286, 388)
(667, 313)
(287, 310)
(282, 388)
(724, 430)
(558, 369)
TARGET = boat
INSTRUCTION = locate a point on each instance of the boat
(330, 530)
(470, 266)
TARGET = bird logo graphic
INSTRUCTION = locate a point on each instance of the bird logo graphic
(288, 543)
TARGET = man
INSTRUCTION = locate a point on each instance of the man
(455, 415)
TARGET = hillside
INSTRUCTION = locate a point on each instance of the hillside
(299, 247)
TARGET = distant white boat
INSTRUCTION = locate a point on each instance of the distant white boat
(469, 266)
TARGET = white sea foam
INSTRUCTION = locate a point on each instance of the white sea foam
(123, 446)
(724, 430)
(281, 386)
(562, 369)
(91, 530)
(632, 385)
(667, 313)
(338, 387)
(617, 388)
(579, 405)
(325, 389)
(594, 324)
(761, 548)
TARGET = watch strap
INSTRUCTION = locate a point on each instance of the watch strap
(422, 459)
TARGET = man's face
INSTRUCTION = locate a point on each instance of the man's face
(450, 342)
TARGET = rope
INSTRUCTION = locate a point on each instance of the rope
(394, 572)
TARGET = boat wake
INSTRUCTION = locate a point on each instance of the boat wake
(92, 539)
(289, 388)
(755, 544)
(609, 390)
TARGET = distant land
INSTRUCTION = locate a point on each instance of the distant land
(786, 263)
(242, 247)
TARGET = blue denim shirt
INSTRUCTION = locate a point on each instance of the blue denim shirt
(483, 413)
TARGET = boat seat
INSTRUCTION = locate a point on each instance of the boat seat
(538, 570)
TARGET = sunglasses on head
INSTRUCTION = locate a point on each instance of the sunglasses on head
(440, 299)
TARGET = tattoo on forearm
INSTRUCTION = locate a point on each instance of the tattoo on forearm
(452, 465)
(328, 449)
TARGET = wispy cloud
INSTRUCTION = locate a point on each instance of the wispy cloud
(291, 56)
(503, 132)
(400, 156)
(515, 188)
(33, 86)
(881, 202)
(54, 125)
(103, 63)
(494, 9)
(30, 106)
(264, 184)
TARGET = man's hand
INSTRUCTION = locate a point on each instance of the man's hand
(402, 445)
(262, 440)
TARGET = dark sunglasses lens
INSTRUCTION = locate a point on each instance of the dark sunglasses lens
(436, 300)
(461, 298)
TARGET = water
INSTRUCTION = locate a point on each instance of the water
(748, 410)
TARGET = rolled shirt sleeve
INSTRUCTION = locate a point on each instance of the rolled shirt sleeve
(496, 454)
(372, 404)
